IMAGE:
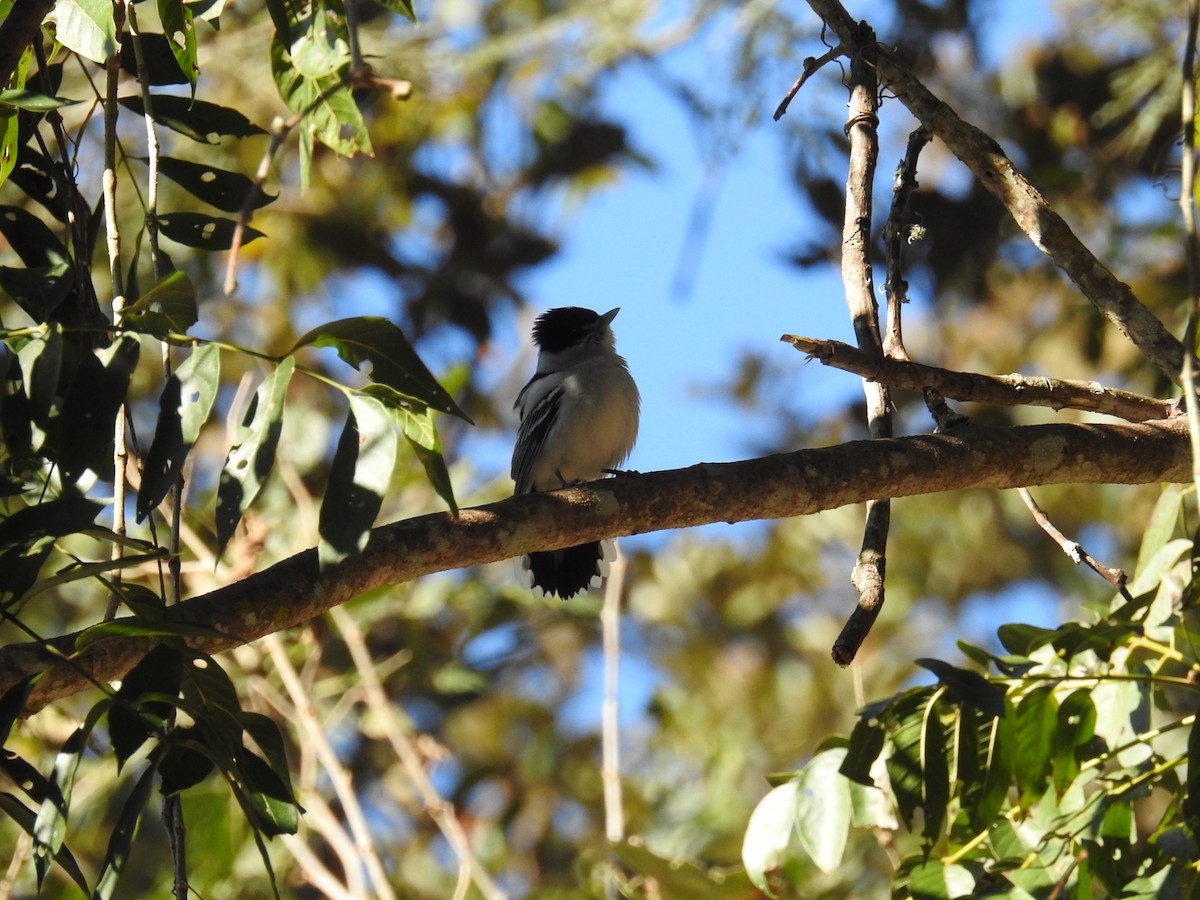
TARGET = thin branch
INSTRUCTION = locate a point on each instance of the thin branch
(339, 777)
(1044, 227)
(895, 234)
(1073, 549)
(800, 483)
(439, 809)
(997, 390)
(812, 65)
(610, 716)
(1187, 207)
(859, 281)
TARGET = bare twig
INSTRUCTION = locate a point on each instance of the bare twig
(1073, 549)
(812, 65)
(997, 390)
(316, 737)
(895, 231)
(1044, 227)
(1187, 207)
(439, 809)
(859, 282)
(112, 68)
(610, 722)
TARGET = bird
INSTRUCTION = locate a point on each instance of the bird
(579, 421)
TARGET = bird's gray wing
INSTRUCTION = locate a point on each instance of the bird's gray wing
(535, 426)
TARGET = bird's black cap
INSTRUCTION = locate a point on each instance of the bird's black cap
(557, 329)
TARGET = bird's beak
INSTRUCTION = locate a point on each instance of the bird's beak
(607, 318)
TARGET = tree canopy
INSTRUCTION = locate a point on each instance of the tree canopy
(260, 637)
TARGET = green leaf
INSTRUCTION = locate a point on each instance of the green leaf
(227, 191)
(186, 401)
(31, 239)
(199, 120)
(824, 809)
(394, 363)
(935, 766)
(905, 722)
(41, 362)
(266, 733)
(121, 839)
(997, 750)
(1162, 526)
(132, 719)
(1023, 639)
(1037, 720)
(38, 290)
(64, 515)
(320, 47)
(204, 232)
(967, 686)
(930, 879)
(85, 26)
(421, 433)
(25, 817)
(1123, 711)
(50, 826)
(90, 408)
(182, 764)
(1151, 570)
(769, 832)
(866, 743)
(1076, 727)
(32, 101)
(162, 68)
(1191, 803)
(403, 7)
(12, 704)
(168, 307)
(268, 801)
(10, 144)
(127, 628)
(358, 479)
(253, 453)
(180, 34)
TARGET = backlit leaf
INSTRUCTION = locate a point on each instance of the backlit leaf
(253, 453)
(32, 101)
(193, 229)
(85, 26)
(824, 809)
(769, 831)
(180, 34)
(358, 479)
(121, 839)
(197, 119)
(227, 191)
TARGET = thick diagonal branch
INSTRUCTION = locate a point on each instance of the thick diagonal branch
(792, 484)
(1033, 215)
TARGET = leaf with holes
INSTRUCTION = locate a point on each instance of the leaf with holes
(199, 120)
(180, 33)
(358, 479)
(162, 68)
(253, 453)
(227, 191)
(194, 229)
(186, 401)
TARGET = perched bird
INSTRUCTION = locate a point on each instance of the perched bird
(579, 419)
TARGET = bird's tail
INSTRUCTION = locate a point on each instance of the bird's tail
(571, 570)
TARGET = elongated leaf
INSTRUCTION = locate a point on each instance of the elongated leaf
(85, 26)
(824, 809)
(253, 453)
(403, 7)
(935, 765)
(422, 435)
(866, 743)
(186, 401)
(168, 307)
(194, 229)
(50, 826)
(267, 801)
(997, 756)
(1191, 802)
(10, 142)
(1037, 717)
(769, 832)
(25, 817)
(1076, 727)
(121, 839)
(38, 290)
(394, 363)
(199, 120)
(41, 362)
(358, 479)
(132, 722)
(906, 727)
(125, 628)
(265, 732)
(180, 34)
(80, 571)
(33, 101)
(161, 66)
(31, 239)
(12, 704)
(90, 408)
(967, 686)
(227, 191)
(64, 515)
